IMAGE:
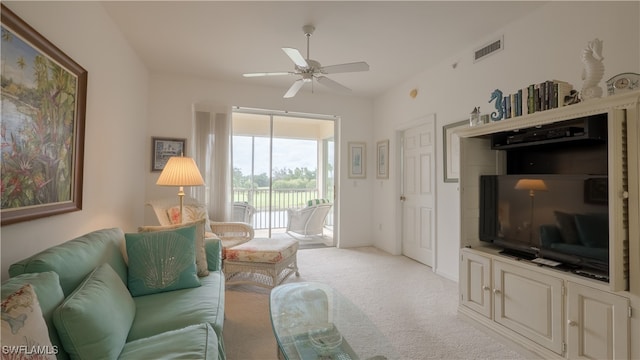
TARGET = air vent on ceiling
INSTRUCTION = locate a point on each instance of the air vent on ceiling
(490, 48)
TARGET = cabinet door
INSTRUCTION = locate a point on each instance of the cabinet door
(529, 303)
(475, 283)
(598, 324)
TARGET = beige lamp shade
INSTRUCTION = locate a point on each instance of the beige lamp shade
(531, 184)
(180, 171)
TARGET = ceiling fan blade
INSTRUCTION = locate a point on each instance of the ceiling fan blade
(332, 84)
(293, 90)
(342, 68)
(296, 57)
(268, 74)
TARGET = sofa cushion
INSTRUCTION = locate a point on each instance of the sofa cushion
(50, 295)
(162, 261)
(213, 248)
(23, 324)
(201, 256)
(77, 258)
(173, 310)
(192, 342)
(593, 229)
(95, 319)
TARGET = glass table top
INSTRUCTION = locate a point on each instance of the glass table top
(313, 321)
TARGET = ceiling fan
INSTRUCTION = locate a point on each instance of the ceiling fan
(309, 69)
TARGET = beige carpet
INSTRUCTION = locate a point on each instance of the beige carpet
(412, 307)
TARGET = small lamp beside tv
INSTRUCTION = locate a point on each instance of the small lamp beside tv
(532, 185)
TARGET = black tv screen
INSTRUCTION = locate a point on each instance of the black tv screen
(559, 217)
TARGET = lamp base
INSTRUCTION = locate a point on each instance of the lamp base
(181, 199)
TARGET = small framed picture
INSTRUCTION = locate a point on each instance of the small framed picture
(382, 160)
(357, 160)
(164, 148)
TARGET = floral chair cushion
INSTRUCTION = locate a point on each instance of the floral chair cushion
(262, 250)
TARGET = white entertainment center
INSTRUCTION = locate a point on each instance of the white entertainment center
(552, 313)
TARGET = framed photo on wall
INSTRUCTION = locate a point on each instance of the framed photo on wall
(451, 151)
(44, 96)
(357, 160)
(164, 148)
(382, 159)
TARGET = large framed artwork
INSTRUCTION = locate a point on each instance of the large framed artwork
(451, 146)
(43, 97)
(164, 148)
(382, 160)
(357, 160)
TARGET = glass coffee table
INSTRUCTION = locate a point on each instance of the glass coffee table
(313, 321)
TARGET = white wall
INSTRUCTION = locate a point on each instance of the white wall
(542, 46)
(171, 98)
(115, 160)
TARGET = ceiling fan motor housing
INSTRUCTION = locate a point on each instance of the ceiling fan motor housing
(308, 29)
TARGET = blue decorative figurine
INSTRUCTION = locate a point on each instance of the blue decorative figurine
(497, 96)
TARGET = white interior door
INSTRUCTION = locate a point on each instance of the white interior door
(418, 195)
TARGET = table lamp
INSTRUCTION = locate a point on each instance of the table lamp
(532, 185)
(180, 171)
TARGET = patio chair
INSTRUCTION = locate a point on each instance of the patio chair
(230, 233)
(243, 212)
(310, 219)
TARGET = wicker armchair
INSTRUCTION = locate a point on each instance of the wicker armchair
(308, 220)
(230, 233)
(243, 212)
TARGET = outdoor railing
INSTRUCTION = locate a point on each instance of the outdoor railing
(276, 212)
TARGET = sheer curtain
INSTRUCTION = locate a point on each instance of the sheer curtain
(212, 152)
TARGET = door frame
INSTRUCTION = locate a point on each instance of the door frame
(399, 130)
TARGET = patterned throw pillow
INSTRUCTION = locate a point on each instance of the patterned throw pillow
(162, 261)
(24, 330)
(190, 213)
(201, 255)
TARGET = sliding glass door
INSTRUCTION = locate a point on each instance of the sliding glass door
(281, 162)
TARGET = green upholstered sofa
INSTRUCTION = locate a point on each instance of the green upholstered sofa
(184, 323)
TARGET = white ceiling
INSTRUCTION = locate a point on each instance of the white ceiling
(222, 40)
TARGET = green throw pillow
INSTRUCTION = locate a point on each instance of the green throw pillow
(95, 319)
(162, 261)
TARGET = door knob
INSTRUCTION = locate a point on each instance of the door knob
(572, 323)
(496, 291)
(402, 198)
(486, 288)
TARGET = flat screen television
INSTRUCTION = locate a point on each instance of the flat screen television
(564, 218)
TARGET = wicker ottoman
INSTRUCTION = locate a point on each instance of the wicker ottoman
(263, 262)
